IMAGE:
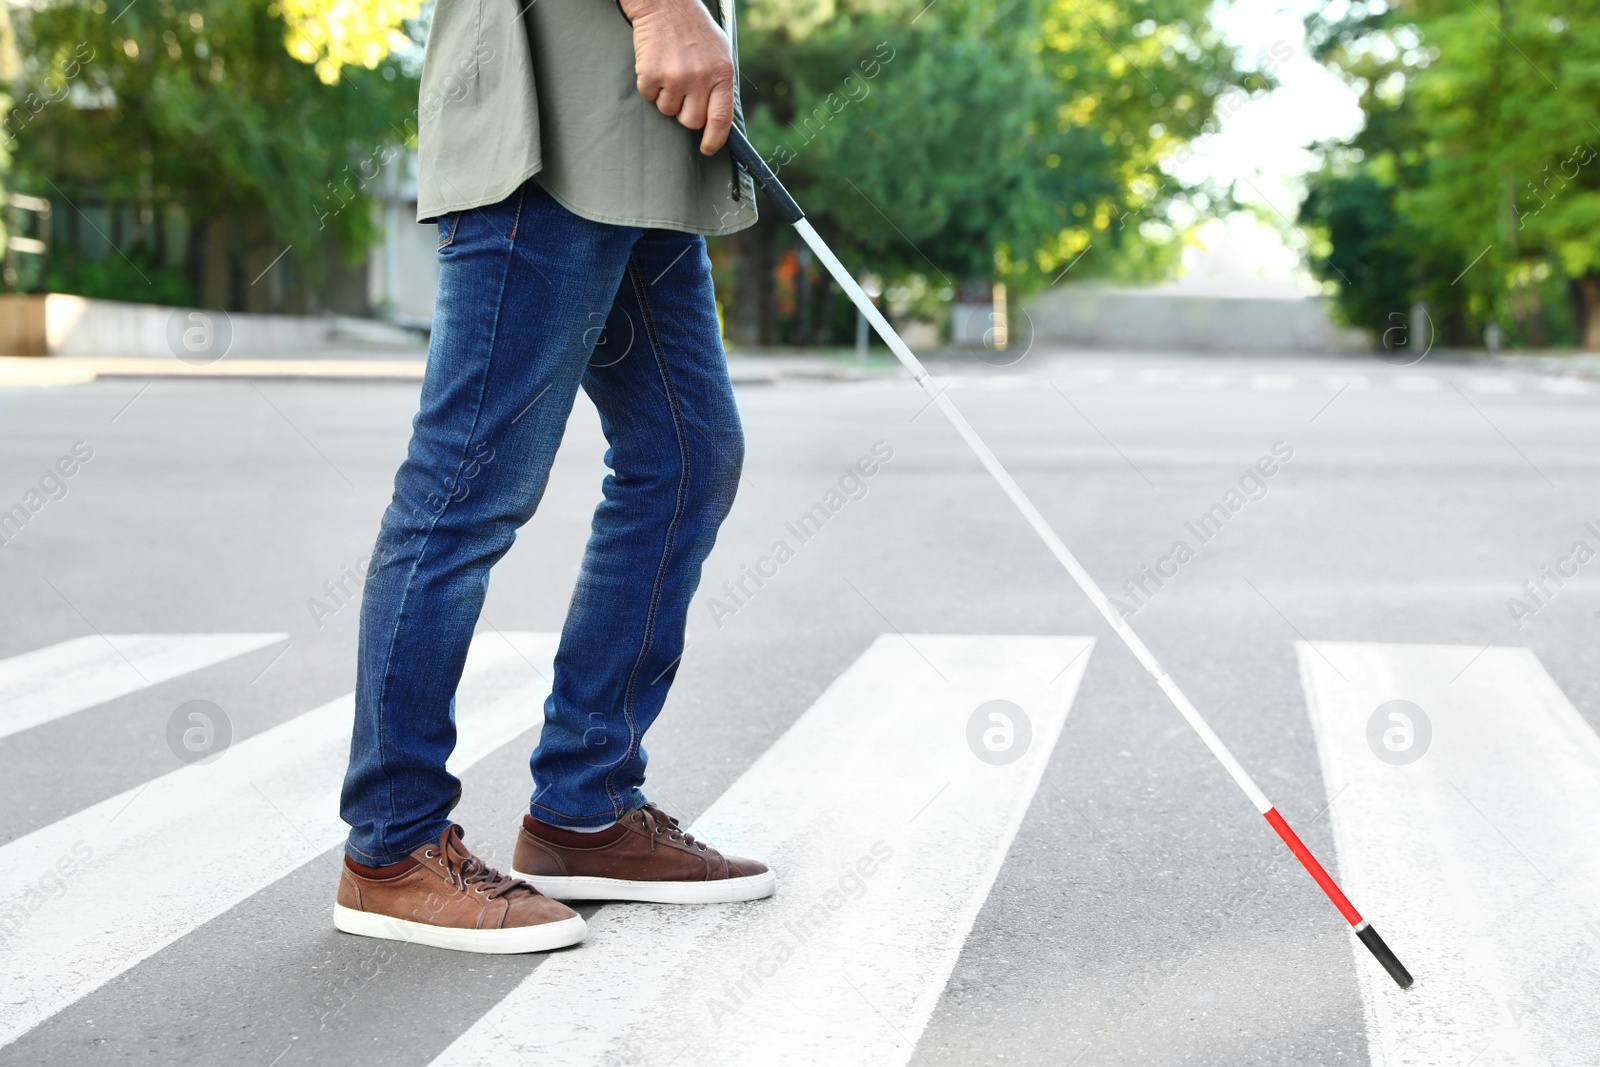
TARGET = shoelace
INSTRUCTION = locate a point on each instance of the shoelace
(467, 872)
(654, 818)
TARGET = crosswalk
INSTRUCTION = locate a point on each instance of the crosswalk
(183, 848)
(1481, 848)
(1464, 826)
(1177, 379)
(846, 964)
(57, 681)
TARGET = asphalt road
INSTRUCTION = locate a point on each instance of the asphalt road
(1143, 914)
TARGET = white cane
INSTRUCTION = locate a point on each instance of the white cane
(748, 158)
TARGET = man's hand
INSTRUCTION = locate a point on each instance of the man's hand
(684, 64)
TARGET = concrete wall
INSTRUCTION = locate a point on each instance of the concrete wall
(63, 325)
(1095, 317)
(403, 270)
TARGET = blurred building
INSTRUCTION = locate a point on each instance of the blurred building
(240, 266)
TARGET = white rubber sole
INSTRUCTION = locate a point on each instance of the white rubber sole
(719, 891)
(541, 938)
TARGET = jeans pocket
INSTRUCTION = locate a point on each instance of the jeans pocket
(448, 223)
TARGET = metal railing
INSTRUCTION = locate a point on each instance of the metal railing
(17, 244)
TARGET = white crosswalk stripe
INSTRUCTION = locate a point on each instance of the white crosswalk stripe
(1085, 376)
(85, 898)
(1567, 386)
(1477, 860)
(886, 831)
(1167, 378)
(49, 683)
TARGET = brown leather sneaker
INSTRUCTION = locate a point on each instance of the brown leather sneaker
(444, 896)
(645, 856)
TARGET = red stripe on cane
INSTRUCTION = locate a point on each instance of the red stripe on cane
(1309, 862)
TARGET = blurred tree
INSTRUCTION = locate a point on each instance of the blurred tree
(334, 34)
(968, 141)
(10, 66)
(1481, 134)
(198, 104)
(1377, 261)
(1357, 246)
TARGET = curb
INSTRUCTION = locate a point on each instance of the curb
(73, 370)
(78, 370)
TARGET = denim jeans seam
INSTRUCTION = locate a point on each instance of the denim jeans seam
(449, 237)
(383, 859)
(366, 855)
(656, 349)
(615, 812)
(477, 415)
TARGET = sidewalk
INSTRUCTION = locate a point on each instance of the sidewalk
(1573, 365)
(395, 364)
(355, 363)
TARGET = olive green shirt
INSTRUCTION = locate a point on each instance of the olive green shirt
(517, 88)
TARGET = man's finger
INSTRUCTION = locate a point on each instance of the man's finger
(669, 102)
(719, 119)
(692, 115)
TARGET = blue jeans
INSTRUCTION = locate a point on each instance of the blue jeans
(534, 302)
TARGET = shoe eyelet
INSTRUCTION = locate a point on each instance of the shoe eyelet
(428, 855)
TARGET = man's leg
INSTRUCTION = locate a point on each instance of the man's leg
(523, 286)
(660, 382)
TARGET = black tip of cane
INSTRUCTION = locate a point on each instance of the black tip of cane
(1384, 955)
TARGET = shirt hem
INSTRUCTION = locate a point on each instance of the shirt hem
(649, 224)
(432, 212)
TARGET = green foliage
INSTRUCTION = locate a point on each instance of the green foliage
(197, 103)
(1362, 248)
(9, 64)
(114, 278)
(969, 140)
(1480, 143)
